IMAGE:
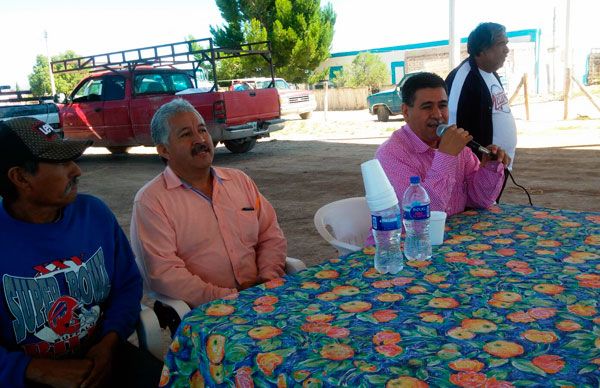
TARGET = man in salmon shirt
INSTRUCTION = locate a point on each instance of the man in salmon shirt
(202, 232)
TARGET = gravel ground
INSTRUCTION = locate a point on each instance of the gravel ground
(316, 161)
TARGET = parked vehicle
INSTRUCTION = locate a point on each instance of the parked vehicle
(22, 104)
(114, 107)
(292, 101)
(388, 102)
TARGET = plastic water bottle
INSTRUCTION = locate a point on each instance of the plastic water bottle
(415, 206)
(387, 231)
(385, 217)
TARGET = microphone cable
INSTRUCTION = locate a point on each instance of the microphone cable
(506, 170)
(478, 150)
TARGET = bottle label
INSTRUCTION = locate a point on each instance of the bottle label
(386, 223)
(420, 212)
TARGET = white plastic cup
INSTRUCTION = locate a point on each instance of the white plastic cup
(379, 192)
(437, 224)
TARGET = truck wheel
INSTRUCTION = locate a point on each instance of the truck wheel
(118, 150)
(383, 114)
(305, 115)
(239, 146)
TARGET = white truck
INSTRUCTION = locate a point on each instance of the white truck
(292, 101)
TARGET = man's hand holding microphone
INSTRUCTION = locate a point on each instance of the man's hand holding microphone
(454, 139)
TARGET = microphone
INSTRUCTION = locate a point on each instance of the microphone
(472, 144)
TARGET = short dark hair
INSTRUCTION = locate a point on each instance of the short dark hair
(8, 190)
(420, 81)
(483, 37)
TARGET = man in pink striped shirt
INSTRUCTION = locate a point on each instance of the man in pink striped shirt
(202, 232)
(450, 172)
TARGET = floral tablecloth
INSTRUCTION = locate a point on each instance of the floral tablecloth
(512, 298)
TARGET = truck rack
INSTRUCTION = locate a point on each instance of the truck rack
(22, 96)
(170, 54)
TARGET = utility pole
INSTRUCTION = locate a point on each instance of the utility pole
(454, 41)
(554, 52)
(52, 86)
(326, 99)
(567, 61)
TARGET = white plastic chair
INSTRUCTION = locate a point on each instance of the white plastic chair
(293, 265)
(149, 334)
(169, 312)
(345, 224)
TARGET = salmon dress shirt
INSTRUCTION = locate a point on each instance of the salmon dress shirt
(197, 248)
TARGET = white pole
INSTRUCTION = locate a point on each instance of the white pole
(554, 44)
(326, 99)
(52, 86)
(454, 41)
(567, 79)
(568, 36)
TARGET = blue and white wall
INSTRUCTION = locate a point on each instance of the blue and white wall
(524, 57)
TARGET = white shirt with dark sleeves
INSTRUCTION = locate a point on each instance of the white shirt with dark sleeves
(505, 128)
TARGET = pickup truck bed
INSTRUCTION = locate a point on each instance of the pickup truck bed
(47, 112)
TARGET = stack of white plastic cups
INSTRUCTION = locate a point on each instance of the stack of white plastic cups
(386, 218)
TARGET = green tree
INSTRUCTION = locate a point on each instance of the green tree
(367, 69)
(300, 32)
(39, 79)
(206, 66)
(244, 65)
(318, 76)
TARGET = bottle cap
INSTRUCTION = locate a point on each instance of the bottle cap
(415, 180)
(379, 192)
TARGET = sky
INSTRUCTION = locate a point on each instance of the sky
(92, 27)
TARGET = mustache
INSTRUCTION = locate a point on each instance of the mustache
(200, 147)
(72, 182)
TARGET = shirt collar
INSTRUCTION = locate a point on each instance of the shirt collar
(414, 141)
(172, 180)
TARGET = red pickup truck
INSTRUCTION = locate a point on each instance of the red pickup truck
(114, 107)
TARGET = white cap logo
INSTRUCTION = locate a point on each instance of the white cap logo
(46, 129)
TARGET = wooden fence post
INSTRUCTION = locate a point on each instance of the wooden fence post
(589, 96)
(522, 84)
(517, 90)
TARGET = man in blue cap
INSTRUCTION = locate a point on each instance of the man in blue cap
(69, 287)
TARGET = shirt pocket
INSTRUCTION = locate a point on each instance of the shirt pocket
(248, 226)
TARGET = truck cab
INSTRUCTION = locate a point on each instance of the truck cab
(388, 102)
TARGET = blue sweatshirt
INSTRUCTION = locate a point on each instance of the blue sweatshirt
(63, 286)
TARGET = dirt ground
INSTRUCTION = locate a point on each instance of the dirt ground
(317, 161)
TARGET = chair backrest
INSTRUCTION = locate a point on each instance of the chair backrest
(345, 224)
(137, 252)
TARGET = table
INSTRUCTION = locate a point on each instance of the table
(510, 299)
